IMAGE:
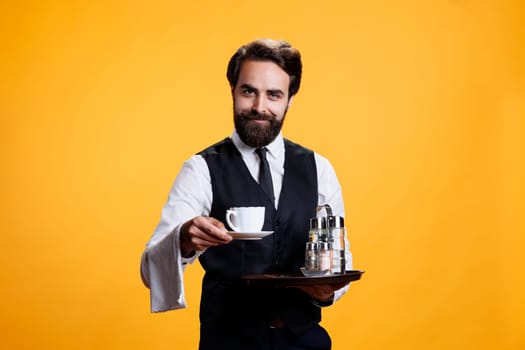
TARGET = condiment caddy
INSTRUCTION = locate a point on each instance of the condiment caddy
(325, 249)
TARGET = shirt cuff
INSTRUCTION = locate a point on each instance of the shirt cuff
(320, 303)
(194, 254)
(190, 259)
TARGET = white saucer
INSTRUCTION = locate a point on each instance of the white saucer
(249, 235)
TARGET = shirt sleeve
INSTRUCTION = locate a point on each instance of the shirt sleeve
(330, 193)
(162, 265)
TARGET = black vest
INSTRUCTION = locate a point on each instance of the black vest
(226, 303)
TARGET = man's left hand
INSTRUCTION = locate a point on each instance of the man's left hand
(321, 292)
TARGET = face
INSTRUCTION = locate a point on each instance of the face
(260, 102)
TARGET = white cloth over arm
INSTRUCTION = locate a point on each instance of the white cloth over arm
(162, 265)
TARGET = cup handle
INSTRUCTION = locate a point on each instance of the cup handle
(229, 214)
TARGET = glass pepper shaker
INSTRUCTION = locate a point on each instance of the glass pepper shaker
(311, 262)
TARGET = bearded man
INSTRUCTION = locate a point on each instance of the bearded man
(264, 77)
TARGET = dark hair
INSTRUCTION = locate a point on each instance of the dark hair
(279, 52)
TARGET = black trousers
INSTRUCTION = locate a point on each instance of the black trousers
(316, 338)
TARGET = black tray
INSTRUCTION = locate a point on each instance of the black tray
(276, 280)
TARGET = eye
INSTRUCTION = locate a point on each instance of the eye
(275, 95)
(248, 91)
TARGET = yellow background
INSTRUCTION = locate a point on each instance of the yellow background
(418, 104)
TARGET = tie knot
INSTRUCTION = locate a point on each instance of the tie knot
(261, 152)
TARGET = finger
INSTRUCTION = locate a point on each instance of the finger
(202, 236)
(317, 292)
(213, 228)
(201, 241)
(217, 223)
(200, 244)
(339, 285)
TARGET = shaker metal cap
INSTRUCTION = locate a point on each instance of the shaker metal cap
(311, 246)
(336, 222)
(324, 245)
(318, 222)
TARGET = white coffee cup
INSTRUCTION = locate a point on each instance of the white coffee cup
(245, 219)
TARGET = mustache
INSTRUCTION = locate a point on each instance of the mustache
(254, 115)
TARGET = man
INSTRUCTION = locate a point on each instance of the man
(264, 76)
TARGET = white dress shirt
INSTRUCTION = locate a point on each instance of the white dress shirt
(162, 265)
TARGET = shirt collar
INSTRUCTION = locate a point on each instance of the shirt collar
(275, 148)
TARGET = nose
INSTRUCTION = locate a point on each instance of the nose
(259, 105)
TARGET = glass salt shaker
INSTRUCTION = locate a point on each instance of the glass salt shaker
(336, 228)
(325, 256)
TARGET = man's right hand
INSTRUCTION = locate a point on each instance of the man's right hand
(200, 233)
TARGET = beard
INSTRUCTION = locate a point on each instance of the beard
(255, 134)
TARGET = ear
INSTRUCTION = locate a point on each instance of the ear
(289, 102)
